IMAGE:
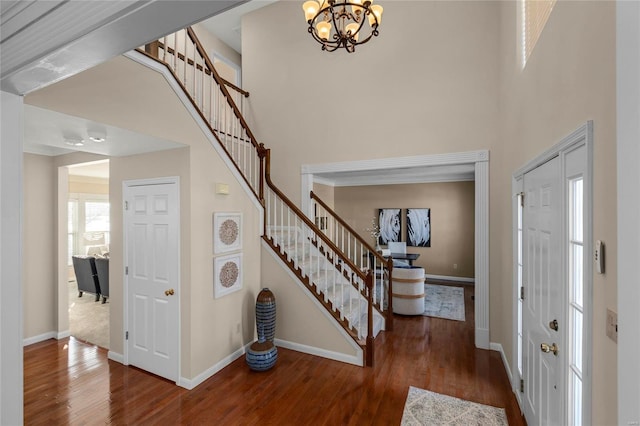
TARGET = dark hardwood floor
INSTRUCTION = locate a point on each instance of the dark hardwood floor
(70, 382)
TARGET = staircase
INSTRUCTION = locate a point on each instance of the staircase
(344, 273)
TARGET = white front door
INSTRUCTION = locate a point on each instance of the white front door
(542, 305)
(151, 262)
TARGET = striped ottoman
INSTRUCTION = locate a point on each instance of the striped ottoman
(408, 291)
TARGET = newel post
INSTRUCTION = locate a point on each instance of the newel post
(389, 322)
(369, 282)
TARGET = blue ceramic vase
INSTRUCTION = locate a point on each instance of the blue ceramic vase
(266, 314)
(261, 355)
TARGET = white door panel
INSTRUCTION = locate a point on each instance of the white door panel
(542, 224)
(151, 240)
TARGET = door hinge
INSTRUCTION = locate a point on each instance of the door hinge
(522, 293)
(126, 335)
(522, 385)
(126, 205)
(521, 199)
(126, 270)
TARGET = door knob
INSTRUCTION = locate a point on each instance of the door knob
(545, 347)
(168, 292)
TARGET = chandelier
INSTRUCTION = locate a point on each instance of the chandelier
(335, 24)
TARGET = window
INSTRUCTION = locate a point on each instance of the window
(576, 299)
(534, 15)
(88, 224)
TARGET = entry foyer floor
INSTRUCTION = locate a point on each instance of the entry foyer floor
(70, 382)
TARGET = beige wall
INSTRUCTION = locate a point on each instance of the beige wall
(88, 185)
(452, 220)
(569, 79)
(445, 77)
(326, 193)
(140, 100)
(39, 282)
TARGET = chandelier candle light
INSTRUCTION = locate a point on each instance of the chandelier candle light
(335, 24)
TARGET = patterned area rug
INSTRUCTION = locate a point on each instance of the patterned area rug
(88, 319)
(444, 302)
(429, 408)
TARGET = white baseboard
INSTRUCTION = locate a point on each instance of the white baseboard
(39, 338)
(311, 350)
(63, 334)
(498, 347)
(357, 349)
(514, 387)
(115, 356)
(482, 338)
(448, 278)
(192, 383)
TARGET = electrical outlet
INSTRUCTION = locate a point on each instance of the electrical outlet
(612, 325)
(455, 266)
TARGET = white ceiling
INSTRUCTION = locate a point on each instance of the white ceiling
(46, 133)
(46, 130)
(94, 169)
(226, 25)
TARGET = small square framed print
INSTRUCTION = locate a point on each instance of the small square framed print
(227, 274)
(227, 232)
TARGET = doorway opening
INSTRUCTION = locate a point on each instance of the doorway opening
(87, 260)
(424, 168)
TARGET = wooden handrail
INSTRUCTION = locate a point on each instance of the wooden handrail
(357, 236)
(388, 262)
(236, 88)
(306, 220)
(223, 87)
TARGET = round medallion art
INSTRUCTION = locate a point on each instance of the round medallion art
(228, 232)
(229, 274)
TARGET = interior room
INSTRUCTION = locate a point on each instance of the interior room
(491, 146)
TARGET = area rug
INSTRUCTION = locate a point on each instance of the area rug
(88, 319)
(443, 301)
(429, 408)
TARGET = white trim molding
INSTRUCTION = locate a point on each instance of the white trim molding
(480, 161)
(211, 371)
(311, 350)
(115, 356)
(628, 181)
(39, 338)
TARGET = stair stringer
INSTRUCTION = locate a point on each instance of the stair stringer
(175, 86)
(355, 358)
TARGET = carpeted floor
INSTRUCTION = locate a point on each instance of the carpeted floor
(429, 408)
(88, 319)
(444, 301)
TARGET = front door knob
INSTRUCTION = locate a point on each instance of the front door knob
(545, 347)
(168, 292)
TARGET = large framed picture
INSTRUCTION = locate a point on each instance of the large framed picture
(227, 274)
(419, 227)
(227, 232)
(389, 223)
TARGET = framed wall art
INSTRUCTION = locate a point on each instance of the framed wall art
(389, 223)
(419, 227)
(227, 232)
(227, 274)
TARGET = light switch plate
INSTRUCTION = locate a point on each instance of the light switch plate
(612, 325)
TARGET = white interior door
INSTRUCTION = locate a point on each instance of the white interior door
(152, 259)
(542, 305)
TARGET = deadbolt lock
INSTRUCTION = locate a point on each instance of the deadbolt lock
(168, 292)
(546, 348)
(554, 325)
